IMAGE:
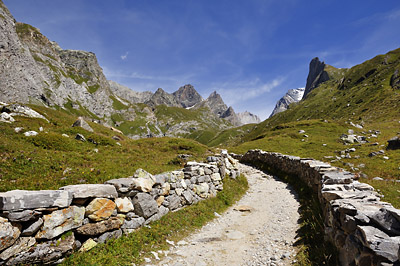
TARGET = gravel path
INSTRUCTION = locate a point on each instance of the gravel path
(259, 230)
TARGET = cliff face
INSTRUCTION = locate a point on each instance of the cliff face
(128, 94)
(248, 118)
(36, 70)
(20, 80)
(187, 96)
(316, 76)
(292, 96)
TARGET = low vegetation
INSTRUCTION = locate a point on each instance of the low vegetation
(133, 248)
(51, 160)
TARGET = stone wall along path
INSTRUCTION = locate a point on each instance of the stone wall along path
(260, 229)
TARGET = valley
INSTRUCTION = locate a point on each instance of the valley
(62, 122)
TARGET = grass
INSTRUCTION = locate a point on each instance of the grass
(49, 160)
(361, 94)
(117, 104)
(133, 248)
(93, 88)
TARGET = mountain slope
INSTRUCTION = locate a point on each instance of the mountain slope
(126, 93)
(292, 96)
(187, 96)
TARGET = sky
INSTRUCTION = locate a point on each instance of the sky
(250, 51)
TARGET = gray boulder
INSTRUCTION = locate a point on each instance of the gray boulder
(32, 228)
(16, 200)
(45, 253)
(8, 233)
(93, 229)
(172, 202)
(133, 223)
(22, 244)
(91, 191)
(144, 205)
(109, 235)
(393, 143)
(61, 221)
(22, 216)
(80, 122)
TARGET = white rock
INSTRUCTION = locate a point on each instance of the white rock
(30, 133)
(6, 118)
(124, 205)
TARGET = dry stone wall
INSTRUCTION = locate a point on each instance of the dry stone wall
(45, 226)
(365, 230)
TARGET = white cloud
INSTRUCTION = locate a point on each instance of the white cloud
(124, 56)
(246, 90)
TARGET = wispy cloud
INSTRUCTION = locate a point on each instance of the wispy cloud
(124, 56)
(233, 93)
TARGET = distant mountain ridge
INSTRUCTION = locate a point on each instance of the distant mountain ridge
(38, 71)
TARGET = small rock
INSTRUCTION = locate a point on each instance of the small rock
(80, 137)
(18, 129)
(30, 133)
(88, 245)
(80, 122)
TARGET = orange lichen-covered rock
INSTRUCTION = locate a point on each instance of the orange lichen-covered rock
(100, 209)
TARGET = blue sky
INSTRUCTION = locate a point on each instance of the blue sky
(250, 51)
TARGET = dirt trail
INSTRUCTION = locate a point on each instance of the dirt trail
(259, 230)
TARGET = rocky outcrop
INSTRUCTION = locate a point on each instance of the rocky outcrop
(365, 230)
(292, 96)
(39, 227)
(187, 96)
(162, 97)
(129, 94)
(393, 143)
(248, 118)
(36, 70)
(231, 116)
(395, 80)
(316, 76)
(215, 103)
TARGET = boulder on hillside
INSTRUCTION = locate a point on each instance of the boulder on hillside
(80, 122)
(393, 143)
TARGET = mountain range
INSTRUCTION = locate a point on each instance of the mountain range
(38, 71)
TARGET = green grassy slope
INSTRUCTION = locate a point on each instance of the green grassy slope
(50, 160)
(362, 95)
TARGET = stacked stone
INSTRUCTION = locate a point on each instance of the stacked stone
(42, 227)
(365, 230)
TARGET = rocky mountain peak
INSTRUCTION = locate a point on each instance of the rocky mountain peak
(248, 118)
(216, 104)
(187, 96)
(231, 116)
(128, 94)
(292, 96)
(162, 97)
(316, 75)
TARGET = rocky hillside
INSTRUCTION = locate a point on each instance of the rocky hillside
(37, 71)
(292, 96)
(126, 93)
